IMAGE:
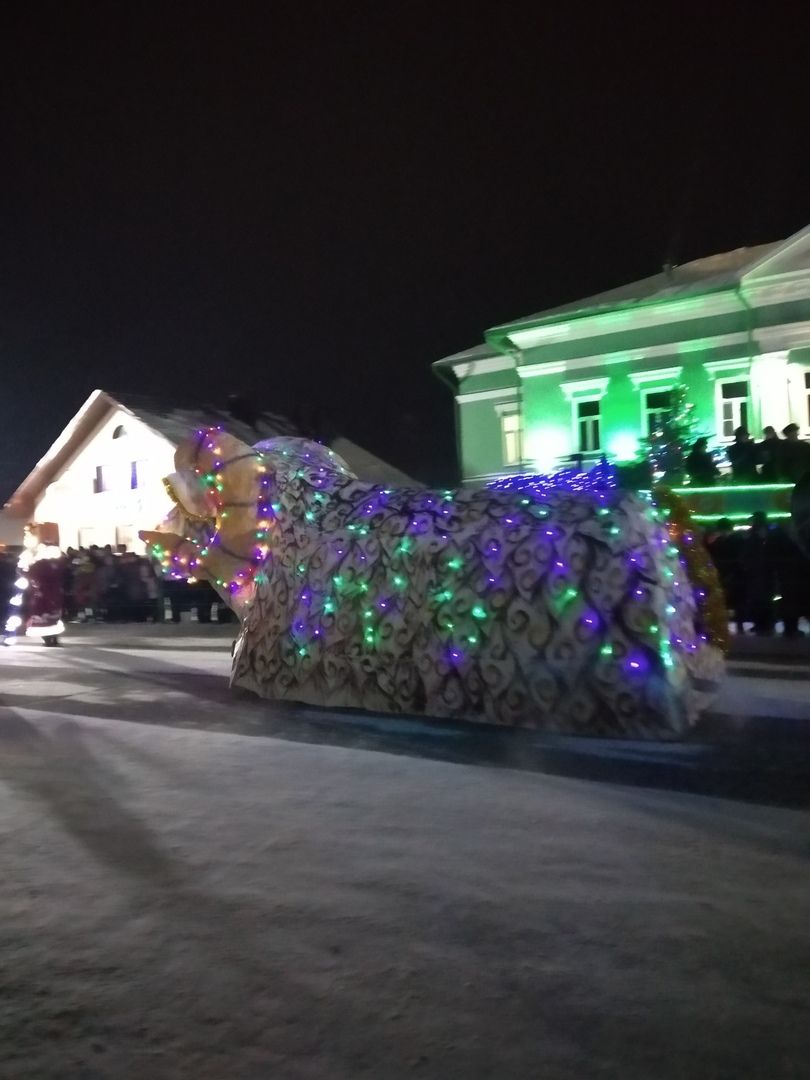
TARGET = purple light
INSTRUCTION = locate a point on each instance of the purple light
(636, 664)
(601, 478)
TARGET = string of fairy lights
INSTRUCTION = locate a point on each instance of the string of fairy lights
(463, 594)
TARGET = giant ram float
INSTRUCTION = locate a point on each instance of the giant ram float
(562, 603)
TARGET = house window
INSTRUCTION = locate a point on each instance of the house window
(119, 432)
(511, 438)
(587, 414)
(733, 407)
(657, 407)
(101, 481)
(135, 476)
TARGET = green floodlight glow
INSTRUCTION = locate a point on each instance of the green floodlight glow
(772, 516)
(730, 489)
(545, 445)
(623, 446)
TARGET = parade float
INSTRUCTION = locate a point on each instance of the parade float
(566, 603)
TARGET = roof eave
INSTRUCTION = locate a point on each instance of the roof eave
(500, 337)
(23, 500)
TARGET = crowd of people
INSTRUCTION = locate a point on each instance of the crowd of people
(764, 574)
(773, 460)
(100, 585)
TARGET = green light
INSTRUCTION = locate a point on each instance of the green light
(779, 514)
(308, 514)
(478, 612)
(606, 650)
(545, 445)
(455, 564)
(399, 582)
(730, 489)
(328, 606)
(472, 639)
(301, 568)
(302, 651)
(623, 446)
(338, 582)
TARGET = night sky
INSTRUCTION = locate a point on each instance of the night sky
(311, 203)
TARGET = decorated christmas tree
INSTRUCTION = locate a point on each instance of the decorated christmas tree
(671, 439)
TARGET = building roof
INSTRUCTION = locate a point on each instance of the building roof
(697, 277)
(175, 424)
(713, 273)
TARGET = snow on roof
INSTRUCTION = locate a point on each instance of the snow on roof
(704, 275)
(176, 424)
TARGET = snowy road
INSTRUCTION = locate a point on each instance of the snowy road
(190, 890)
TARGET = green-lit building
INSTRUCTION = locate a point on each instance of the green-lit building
(594, 377)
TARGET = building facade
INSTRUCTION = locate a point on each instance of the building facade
(101, 480)
(595, 377)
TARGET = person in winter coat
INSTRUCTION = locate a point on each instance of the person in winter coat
(700, 464)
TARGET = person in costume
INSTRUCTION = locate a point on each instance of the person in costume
(37, 604)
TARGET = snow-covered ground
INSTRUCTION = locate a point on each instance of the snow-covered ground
(190, 890)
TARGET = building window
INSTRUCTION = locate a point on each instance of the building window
(101, 481)
(119, 432)
(587, 414)
(135, 474)
(733, 407)
(657, 407)
(511, 438)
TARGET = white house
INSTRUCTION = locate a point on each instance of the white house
(101, 480)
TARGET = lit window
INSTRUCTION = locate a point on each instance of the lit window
(511, 432)
(101, 481)
(134, 470)
(733, 406)
(588, 440)
(657, 407)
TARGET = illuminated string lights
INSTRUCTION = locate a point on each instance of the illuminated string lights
(389, 554)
